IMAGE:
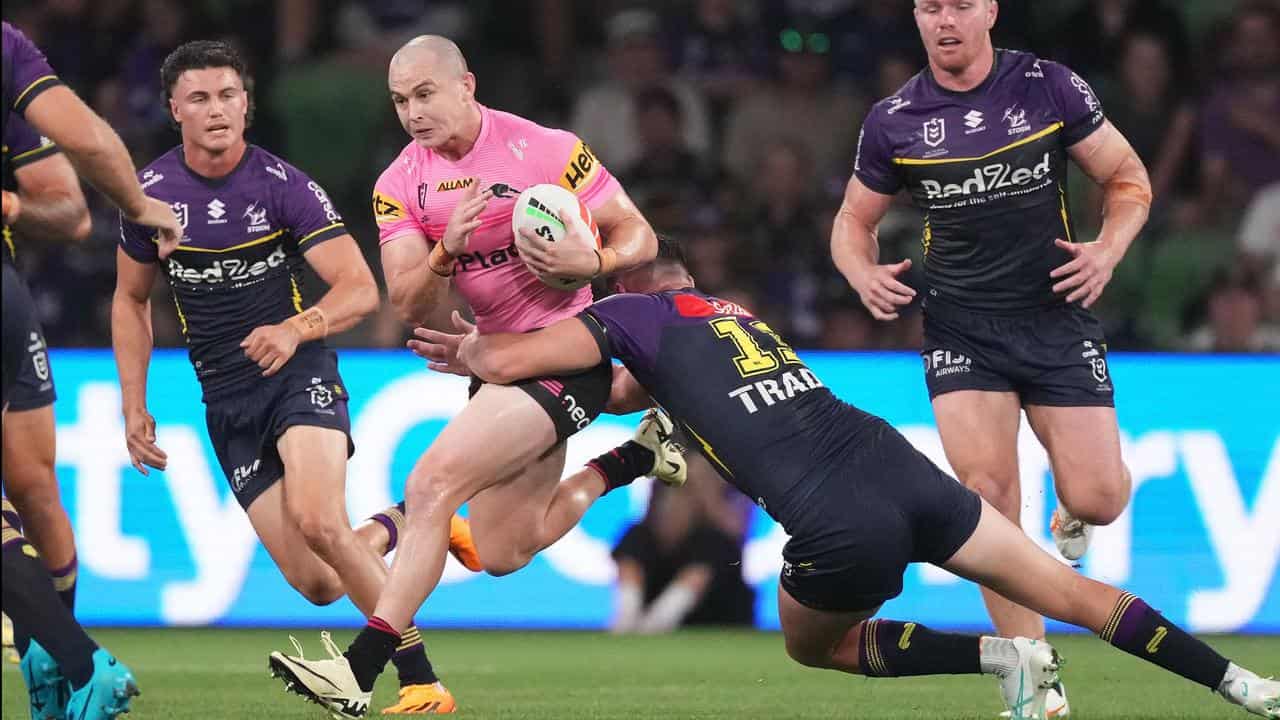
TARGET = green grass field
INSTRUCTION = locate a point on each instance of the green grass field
(209, 674)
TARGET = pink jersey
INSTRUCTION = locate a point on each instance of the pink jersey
(415, 196)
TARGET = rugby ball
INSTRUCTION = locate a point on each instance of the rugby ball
(538, 211)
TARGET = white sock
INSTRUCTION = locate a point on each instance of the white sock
(1233, 671)
(666, 613)
(997, 656)
(630, 601)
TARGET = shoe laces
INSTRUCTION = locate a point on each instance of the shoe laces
(327, 640)
(297, 646)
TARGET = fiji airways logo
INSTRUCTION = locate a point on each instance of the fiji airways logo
(987, 178)
(935, 131)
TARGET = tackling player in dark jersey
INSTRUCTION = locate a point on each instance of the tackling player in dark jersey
(72, 675)
(859, 502)
(981, 139)
(276, 406)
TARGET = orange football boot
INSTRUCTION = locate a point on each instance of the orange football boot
(462, 546)
(433, 699)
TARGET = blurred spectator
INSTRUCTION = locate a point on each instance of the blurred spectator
(1240, 133)
(682, 563)
(801, 107)
(846, 325)
(147, 130)
(861, 34)
(719, 51)
(1099, 29)
(892, 72)
(1234, 317)
(668, 181)
(780, 231)
(1154, 114)
(1259, 237)
(605, 115)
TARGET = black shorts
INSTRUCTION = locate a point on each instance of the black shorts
(33, 387)
(244, 427)
(1052, 356)
(571, 401)
(885, 507)
(19, 315)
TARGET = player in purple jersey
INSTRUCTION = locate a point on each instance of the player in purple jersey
(858, 502)
(276, 407)
(99, 685)
(55, 209)
(981, 138)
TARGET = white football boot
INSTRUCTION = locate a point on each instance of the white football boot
(1055, 703)
(10, 652)
(655, 434)
(1026, 689)
(1260, 696)
(328, 682)
(1071, 535)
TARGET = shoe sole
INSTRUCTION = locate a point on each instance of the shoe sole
(280, 668)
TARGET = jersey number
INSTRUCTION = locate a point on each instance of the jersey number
(752, 359)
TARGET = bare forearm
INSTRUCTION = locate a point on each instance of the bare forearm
(633, 243)
(1121, 223)
(854, 247)
(416, 293)
(53, 216)
(104, 161)
(347, 303)
(131, 341)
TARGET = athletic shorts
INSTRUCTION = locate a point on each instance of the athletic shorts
(33, 388)
(571, 401)
(1052, 356)
(886, 506)
(244, 427)
(18, 313)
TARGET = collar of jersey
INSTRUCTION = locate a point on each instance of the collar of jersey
(218, 181)
(977, 90)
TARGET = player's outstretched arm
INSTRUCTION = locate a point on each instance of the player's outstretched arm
(1106, 157)
(52, 203)
(97, 152)
(563, 347)
(132, 342)
(856, 252)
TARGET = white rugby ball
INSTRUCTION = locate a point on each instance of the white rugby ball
(538, 211)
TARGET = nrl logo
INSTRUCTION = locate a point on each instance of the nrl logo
(935, 131)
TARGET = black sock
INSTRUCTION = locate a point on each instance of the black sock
(1142, 632)
(623, 464)
(894, 649)
(410, 659)
(370, 651)
(64, 582)
(32, 603)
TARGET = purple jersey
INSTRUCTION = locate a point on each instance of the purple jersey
(989, 169)
(26, 72)
(240, 262)
(759, 414)
(22, 146)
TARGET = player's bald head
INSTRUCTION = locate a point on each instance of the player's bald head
(436, 51)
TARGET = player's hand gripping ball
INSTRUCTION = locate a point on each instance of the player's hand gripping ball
(554, 215)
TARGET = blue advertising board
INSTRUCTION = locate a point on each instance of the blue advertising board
(1200, 540)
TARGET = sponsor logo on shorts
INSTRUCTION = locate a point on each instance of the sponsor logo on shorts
(39, 356)
(241, 476)
(321, 395)
(945, 362)
(577, 414)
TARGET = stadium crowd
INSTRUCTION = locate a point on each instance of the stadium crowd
(731, 123)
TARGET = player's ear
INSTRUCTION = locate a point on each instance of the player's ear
(173, 112)
(993, 9)
(469, 84)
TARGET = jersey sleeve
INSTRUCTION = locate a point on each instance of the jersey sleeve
(873, 162)
(392, 195)
(23, 145)
(572, 165)
(308, 212)
(138, 241)
(29, 70)
(627, 327)
(1075, 101)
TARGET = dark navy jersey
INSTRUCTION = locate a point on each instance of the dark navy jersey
(26, 74)
(22, 146)
(759, 414)
(240, 262)
(989, 169)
